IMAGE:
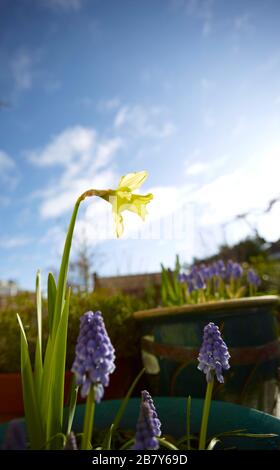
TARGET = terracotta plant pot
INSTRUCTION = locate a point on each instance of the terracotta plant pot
(11, 402)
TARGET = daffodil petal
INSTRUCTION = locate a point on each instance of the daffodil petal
(138, 204)
(118, 223)
(133, 181)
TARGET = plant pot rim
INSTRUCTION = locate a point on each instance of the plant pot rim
(217, 306)
(223, 417)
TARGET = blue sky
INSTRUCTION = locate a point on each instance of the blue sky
(91, 90)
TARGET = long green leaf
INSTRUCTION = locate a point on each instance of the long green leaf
(31, 409)
(51, 300)
(72, 404)
(168, 445)
(252, 435)
(38, 372)
(45, 392)
(55, 409)
(121, 410)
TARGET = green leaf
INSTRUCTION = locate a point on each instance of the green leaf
(168, 445)
(119, 415)
(39, 309)
(72, 404)
(38, 372)
(127, 444)
(45, 392)
(213, 443)
(51, 300)
(57, 376)
(31, 409)
(252, 435)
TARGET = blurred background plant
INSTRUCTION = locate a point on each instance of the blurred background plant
(255, 272)
(117, 307)
(117, 313)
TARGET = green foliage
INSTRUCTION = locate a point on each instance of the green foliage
(117, 313)
(269, 272)
(172, 291)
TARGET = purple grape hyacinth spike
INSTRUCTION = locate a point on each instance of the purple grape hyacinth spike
(237, 271)
(16, 436)
(146, 397)
(95, 355)
(199, 281)
(253, 278)
(148, 425)
(213, 355)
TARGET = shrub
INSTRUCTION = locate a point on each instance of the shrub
(117, 313)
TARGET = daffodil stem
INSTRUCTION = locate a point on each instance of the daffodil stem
(205, 415)
(88, 421)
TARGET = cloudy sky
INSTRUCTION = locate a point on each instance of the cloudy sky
(93, 89)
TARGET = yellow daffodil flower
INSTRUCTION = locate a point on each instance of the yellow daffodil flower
(123, 199)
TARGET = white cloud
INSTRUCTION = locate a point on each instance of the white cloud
(14, 242)
(207, 28)
(243, 23)
(200, 9)
(110, 105)
(196, 165)
(208, 119)
(60, 197)
(84, 158)
(246, 189)
(140, 121)
(22, 70)
(195, 168)
(9, 174)
(74, 144)
(121, 117)
(240, 127)
(6, 162)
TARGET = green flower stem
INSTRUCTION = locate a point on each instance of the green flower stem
(62, 279)
(251, 291)
(205, 415)
(88, 421)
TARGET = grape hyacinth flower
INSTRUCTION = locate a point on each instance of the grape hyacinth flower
(253, 278)
(148, 425)
(16, 437)
(199, 280)
(237, 271)
(146, 397)
(95, 356)
(213, 358)
(213, 355)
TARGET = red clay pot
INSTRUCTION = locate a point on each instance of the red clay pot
(11, 402)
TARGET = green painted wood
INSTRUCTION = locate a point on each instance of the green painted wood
(245, 323)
